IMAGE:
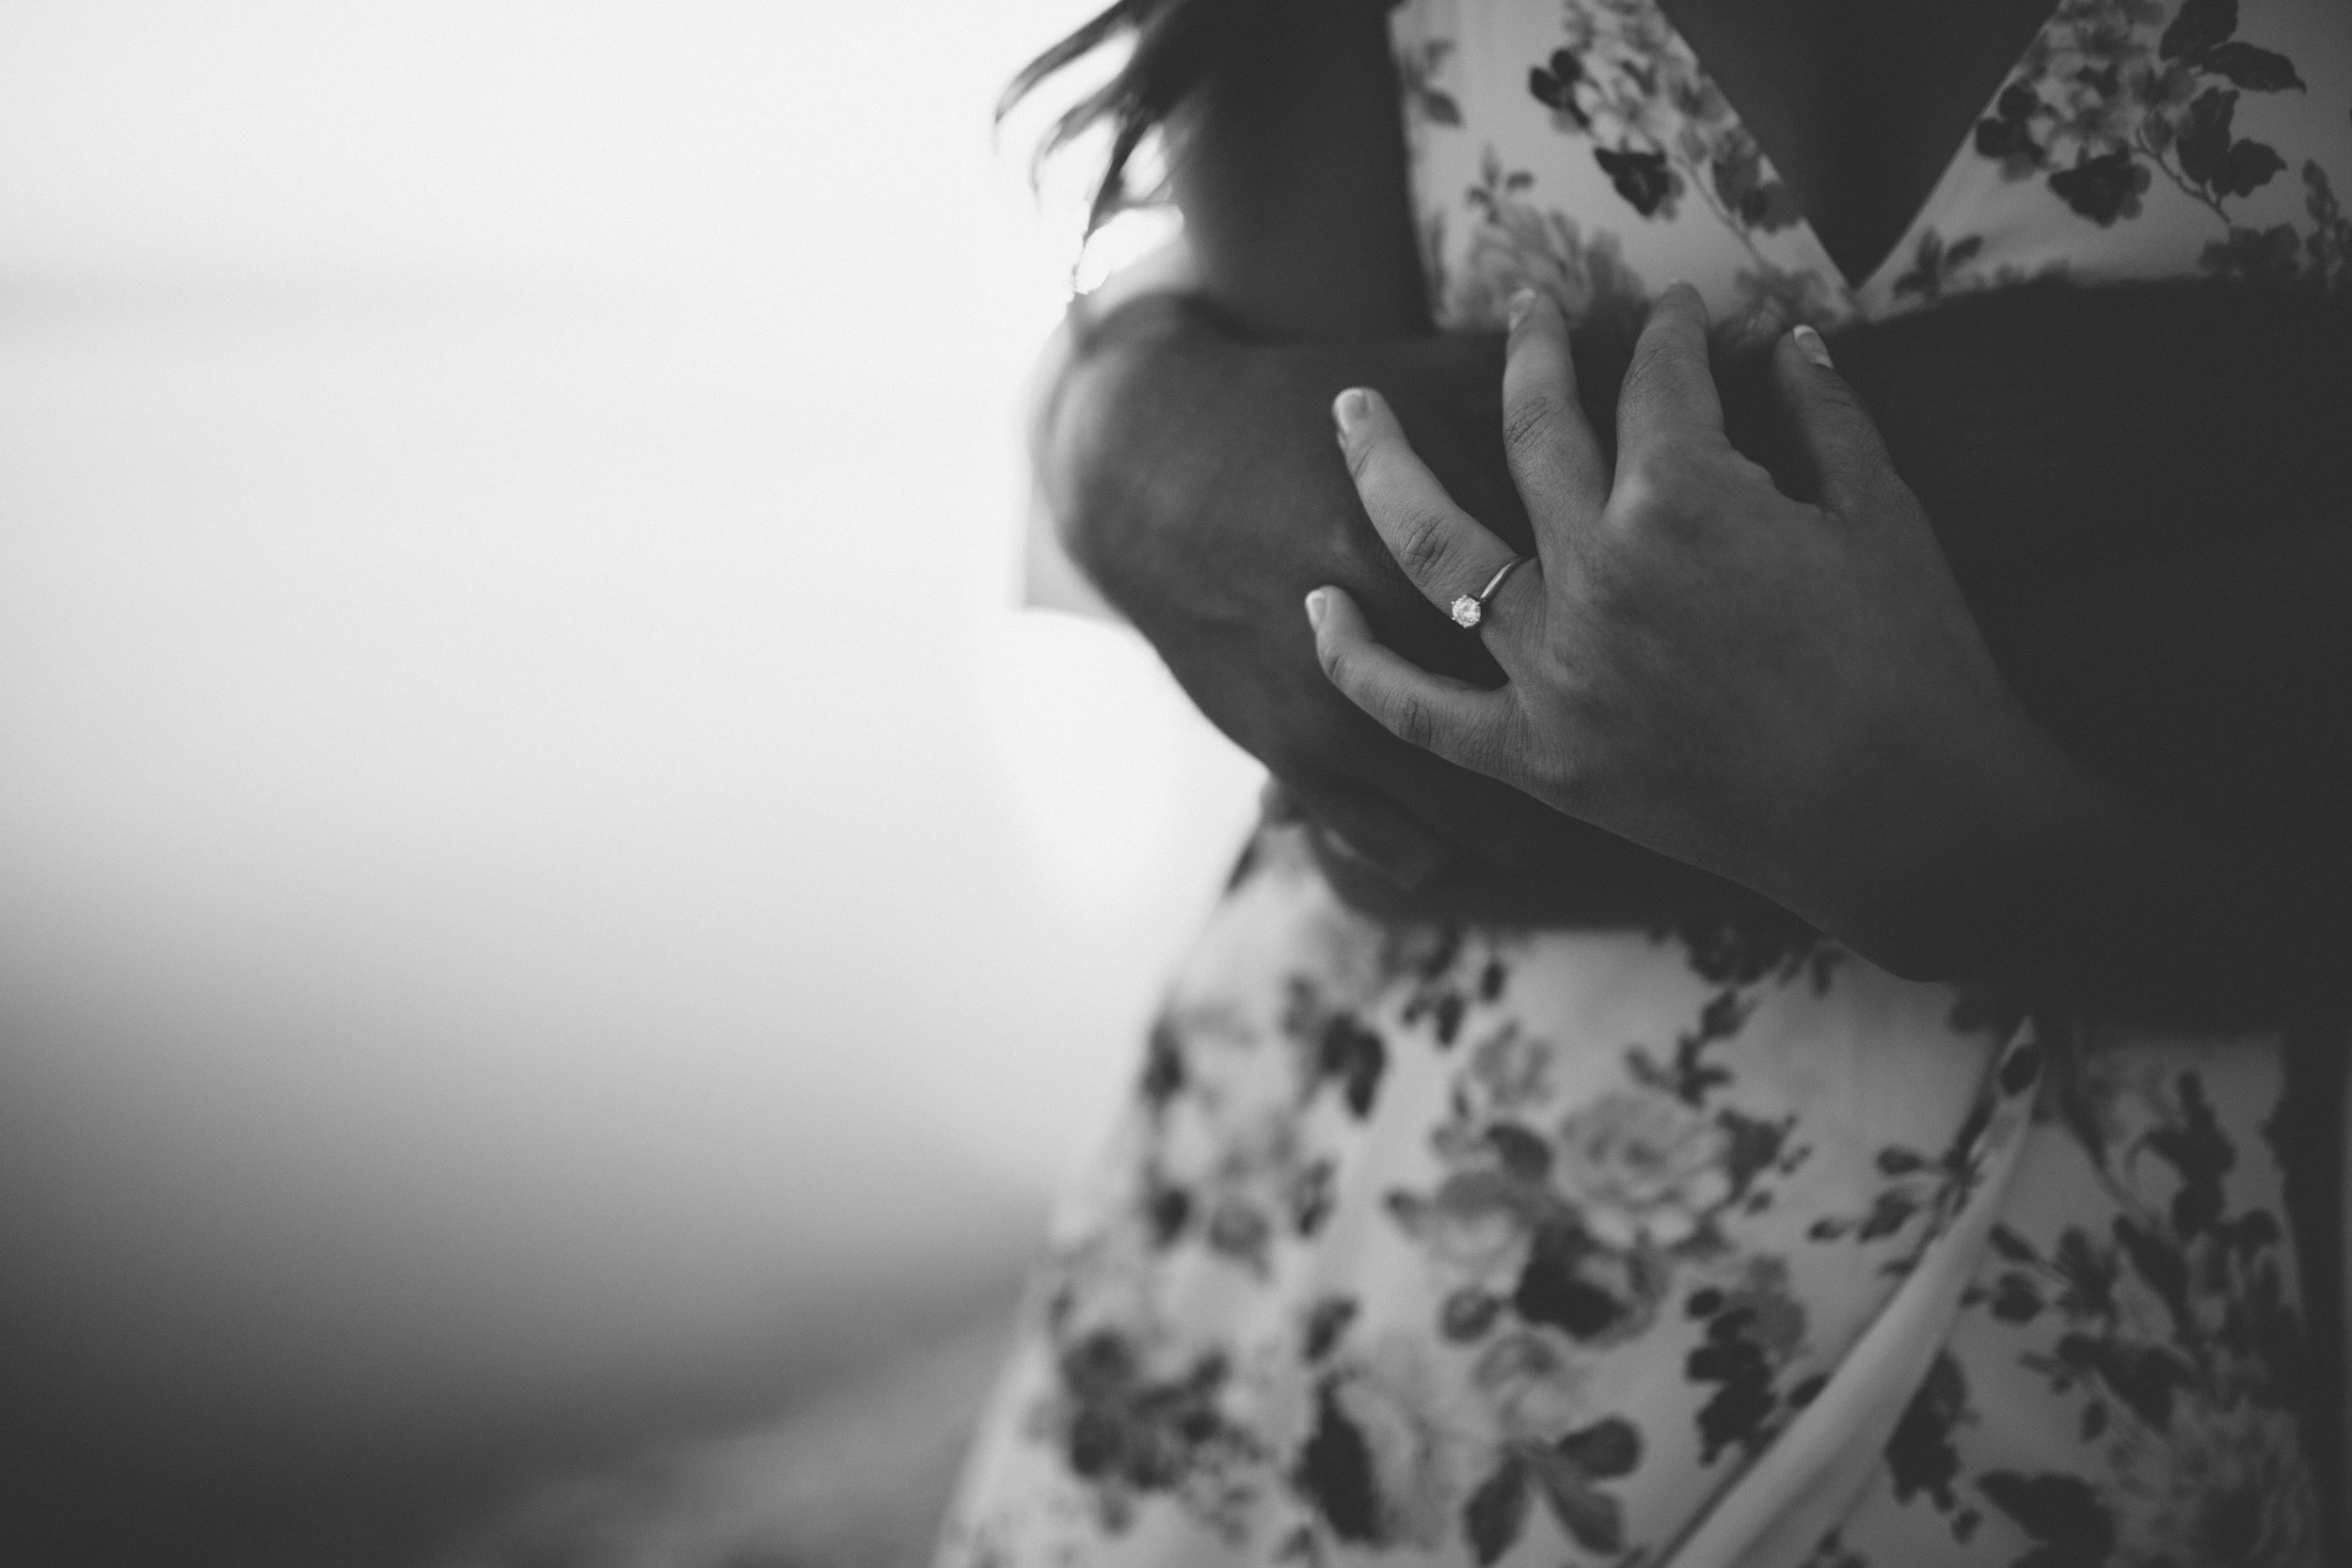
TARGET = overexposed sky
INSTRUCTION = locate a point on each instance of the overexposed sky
(524, 799)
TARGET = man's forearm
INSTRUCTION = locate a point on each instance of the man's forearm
(1196, 481)
(1177, 416)
(2040, 878)
(1171, 432)
(1199, 486)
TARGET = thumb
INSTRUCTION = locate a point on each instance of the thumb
(1835, 432)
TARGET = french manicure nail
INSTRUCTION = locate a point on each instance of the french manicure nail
(1350, 407)
(1521, 303)
(1318, 605)
(1809, 345)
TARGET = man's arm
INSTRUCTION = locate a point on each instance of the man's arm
(1208, 499)
(1192, 469)
(1189, 462)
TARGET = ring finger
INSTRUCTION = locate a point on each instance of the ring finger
(1449, 555)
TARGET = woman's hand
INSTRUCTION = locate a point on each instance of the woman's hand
(1195, 482)
(1790, 694)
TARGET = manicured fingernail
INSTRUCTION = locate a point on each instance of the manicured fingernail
(1521, 303)
(1350, 407)
(1318, 605)
(1809, 345)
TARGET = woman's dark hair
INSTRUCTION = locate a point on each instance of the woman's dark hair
(1176, 41)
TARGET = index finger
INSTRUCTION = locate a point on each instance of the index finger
(1669, 400)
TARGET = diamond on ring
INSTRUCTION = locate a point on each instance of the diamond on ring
(1470, 608)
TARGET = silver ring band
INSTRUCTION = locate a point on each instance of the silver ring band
(1470, 608)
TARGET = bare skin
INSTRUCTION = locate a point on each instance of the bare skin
(1325, 266)
(1858, 103)
(2204, 675)
(1793, 693)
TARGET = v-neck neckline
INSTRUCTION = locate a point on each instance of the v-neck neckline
(1851, 290)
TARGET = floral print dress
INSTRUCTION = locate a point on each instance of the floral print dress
(1424, 1243)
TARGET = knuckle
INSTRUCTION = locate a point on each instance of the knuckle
(1411, 718)
(1530, 421)
(1645, 377)
(1424, 543)
(1633, 393)
(1834, 394)
(1652, 488)
(1613, 595)
(1641, 483)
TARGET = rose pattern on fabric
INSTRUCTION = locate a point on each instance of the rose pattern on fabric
(1438, 1245)
(1661, 129)
(2167, 1342)
(2114, 94)
(2113, 106)
(1568, 1227)
(1572, 1226)
(1517, 244)
(1643, 1168)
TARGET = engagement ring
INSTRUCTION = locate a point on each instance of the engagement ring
(1470, 608)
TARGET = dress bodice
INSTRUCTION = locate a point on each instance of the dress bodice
(1432, 1245)
(1581, 146)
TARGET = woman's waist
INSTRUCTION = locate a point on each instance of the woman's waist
(1748, 1013)
(1612, 967)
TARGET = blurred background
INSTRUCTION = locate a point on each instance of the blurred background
(558, 923)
